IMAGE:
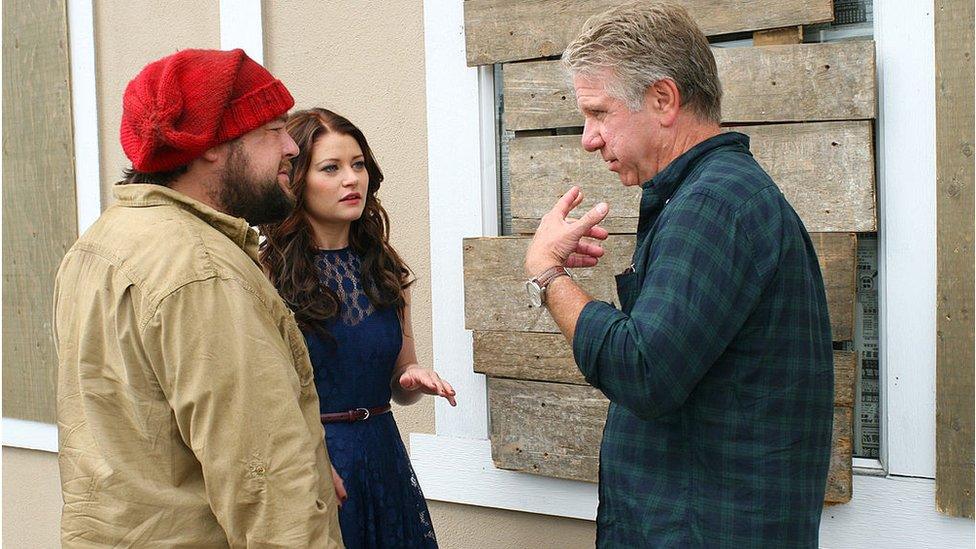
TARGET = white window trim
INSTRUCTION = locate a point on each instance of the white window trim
(904, 33)
(33, 435)
(241, 26)
(84, 112)
(455, 465)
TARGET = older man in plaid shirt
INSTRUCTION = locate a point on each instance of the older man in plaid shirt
(718, 363)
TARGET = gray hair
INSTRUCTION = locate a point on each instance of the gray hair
(642, 43)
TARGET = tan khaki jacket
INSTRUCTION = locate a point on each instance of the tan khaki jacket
(187, 415)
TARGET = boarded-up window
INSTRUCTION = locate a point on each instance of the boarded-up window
(808, 109)
(39, 212)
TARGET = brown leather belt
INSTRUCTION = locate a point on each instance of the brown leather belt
(351, 416)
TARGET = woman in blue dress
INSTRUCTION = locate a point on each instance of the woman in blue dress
(332, 262)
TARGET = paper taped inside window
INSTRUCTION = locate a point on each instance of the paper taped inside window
(850, 12)
(867, 426)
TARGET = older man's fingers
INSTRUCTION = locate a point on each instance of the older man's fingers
(598, 233)
(595, 215)
(577, 201)
(576, 261)
(589, 248)
(590, 219)
(568, 201)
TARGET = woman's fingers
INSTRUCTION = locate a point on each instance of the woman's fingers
(449, 393)
(442, 388)
(408, 381)
(430, 383)
(340, 487)
(448, 387)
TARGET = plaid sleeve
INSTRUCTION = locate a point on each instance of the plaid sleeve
(700, 286)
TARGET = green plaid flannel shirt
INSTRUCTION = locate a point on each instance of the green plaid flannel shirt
(718, 365)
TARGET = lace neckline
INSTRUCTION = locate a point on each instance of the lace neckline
(340, 271)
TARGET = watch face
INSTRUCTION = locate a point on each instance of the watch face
(535, 293)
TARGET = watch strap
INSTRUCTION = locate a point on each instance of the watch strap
(550, 274)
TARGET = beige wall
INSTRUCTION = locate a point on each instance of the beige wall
(365, 60)
(31, 499)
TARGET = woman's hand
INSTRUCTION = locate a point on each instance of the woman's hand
(427, 382)
(340, 487)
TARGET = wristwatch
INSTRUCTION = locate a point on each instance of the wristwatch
(536, 288)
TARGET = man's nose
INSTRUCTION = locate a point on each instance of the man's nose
(591, 140)
(290, 147)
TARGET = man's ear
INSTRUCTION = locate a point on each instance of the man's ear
(215, 154)
(664, 100)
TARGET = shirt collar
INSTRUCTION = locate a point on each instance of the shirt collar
(667, 180)
(234, 228)
(659, 189)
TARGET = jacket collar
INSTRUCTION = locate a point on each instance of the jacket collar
(234, 228)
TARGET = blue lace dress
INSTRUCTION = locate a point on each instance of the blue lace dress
(386, 508)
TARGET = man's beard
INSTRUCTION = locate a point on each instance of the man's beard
(255, 199)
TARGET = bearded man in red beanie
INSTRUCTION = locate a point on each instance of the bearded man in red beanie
(187, 415)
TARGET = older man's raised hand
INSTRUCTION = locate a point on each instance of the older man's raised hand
(557, 240)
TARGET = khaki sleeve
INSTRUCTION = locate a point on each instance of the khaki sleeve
(230, 379)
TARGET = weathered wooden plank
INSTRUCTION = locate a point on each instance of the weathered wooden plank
(494, 283)
(505, 30)
(837, 254)
(778, 37)
(530, 356)
(555, 430)
(550, 429)
(955, 463)
(39, 221)
(839, 475)
(825, 170)
(845, 378)
(805, 82)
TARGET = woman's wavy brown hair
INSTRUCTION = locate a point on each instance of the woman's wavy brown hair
(288, 249)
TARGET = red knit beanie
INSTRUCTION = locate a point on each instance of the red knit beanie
(180, 106)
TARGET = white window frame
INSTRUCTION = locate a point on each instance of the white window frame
(455, 465)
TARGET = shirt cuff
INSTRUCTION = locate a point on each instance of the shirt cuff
(592, 327)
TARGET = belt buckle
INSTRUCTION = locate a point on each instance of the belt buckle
(365, 412)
